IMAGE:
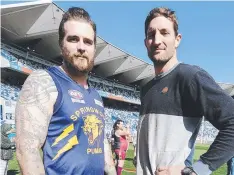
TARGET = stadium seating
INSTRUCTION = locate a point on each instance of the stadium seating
(108, 87)
(8, 56)
(207, 133)
(9, 92)
(21, 61)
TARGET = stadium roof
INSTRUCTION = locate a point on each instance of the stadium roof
(35, 25)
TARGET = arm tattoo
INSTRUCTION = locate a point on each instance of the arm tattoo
(33, 113)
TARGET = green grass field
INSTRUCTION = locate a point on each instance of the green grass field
(129, 167)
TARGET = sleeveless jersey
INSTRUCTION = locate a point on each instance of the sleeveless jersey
(120, 142)
(75, 139)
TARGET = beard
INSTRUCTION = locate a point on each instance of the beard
(77, 64)
(83, 65)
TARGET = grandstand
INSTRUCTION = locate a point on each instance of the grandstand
(32, 43)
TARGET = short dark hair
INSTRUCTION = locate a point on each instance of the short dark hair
(162, 11)
(75, 13)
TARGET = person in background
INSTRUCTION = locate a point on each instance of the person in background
(230, 166)
(120, 144)
(6, 145)
(134, 139)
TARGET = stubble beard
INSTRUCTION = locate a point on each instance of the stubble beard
(162, 60)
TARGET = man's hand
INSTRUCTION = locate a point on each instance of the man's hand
(162, 172)
(173, 170)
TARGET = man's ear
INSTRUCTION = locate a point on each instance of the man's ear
(177, 41)
(145, 40)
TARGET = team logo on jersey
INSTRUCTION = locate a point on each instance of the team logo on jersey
(165, 90)
(76, 96)
(93, 128)
(97, 102)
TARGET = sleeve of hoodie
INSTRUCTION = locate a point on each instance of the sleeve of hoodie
(5, 142)
(218, 108)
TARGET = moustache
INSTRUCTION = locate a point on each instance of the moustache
(80, 55)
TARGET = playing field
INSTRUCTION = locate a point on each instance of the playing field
(129, 168)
